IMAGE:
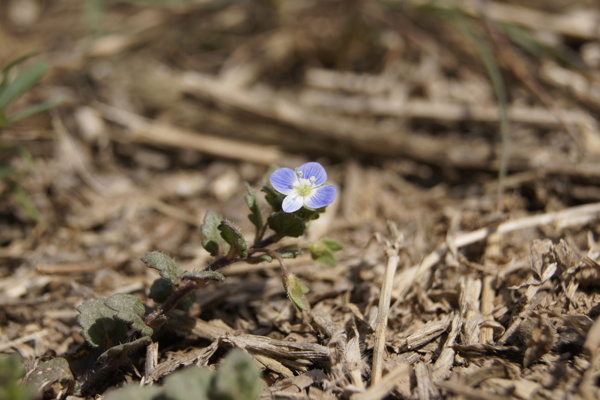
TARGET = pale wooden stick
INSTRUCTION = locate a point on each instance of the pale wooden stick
(486, 333)
(385, 386)
(382, 314)
(23, 339)
(583, 24)
(446, 111)
(564, 218)
(145, 131)
(278, 349)
(370, 137)
(151, 360)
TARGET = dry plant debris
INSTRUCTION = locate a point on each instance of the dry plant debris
(454, 282)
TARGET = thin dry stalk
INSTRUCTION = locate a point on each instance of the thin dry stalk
(386, 385)
(145, 131)
(583, 24)
(568, 217)
(383, 312)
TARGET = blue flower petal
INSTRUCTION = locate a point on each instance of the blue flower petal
(322, 197)
(283, 180)
(314, 169)
(292, 203)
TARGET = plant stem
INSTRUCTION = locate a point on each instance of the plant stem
(186, 287)
(284, 271)
(266, 241)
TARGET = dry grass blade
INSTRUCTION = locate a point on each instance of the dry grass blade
(144, 131)
(569, 217)
(386, 385)
(306, 353)
(381, 323)
(581, 24)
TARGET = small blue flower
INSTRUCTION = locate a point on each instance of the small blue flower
(303, 187)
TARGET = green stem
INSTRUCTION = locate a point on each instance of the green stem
(171, 302)
(284, 271)
(152, 320)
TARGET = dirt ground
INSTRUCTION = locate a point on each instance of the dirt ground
(463, 137)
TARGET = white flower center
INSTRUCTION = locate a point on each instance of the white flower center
(304, 187)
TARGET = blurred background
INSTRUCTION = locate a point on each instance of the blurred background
(124, 121)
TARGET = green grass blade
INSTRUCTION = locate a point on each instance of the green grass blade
(22, 83)
(6, 69)
(30, 111)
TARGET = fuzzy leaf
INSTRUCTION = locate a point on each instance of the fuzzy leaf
(234, 238)
(51, 372)
(203, 275)
(296, 291)
(134, 391)
(322, 251)
(124, 349)
(100, 328)
(168, 268)
(211, 236)
(255, 215)
(238, 378)
(129, 309)
(189, 383)
(162, 288)
(286, 224)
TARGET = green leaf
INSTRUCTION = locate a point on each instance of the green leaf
(258, 259)
(11, 372)
(296, 291)
(51, 372)
(123, 350)
(189, 383)
(273, 198)
(203, 275)
(234, 238)
(211, 236)
(288, 252)
(100, 328)
(322, 251)
(308, 215)
(167, 267)
(238, 378)
(134, 391)
(284, 252)
(286, 224)
(129, 309)
(160, 290)
(255, 215)
(24, 81)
